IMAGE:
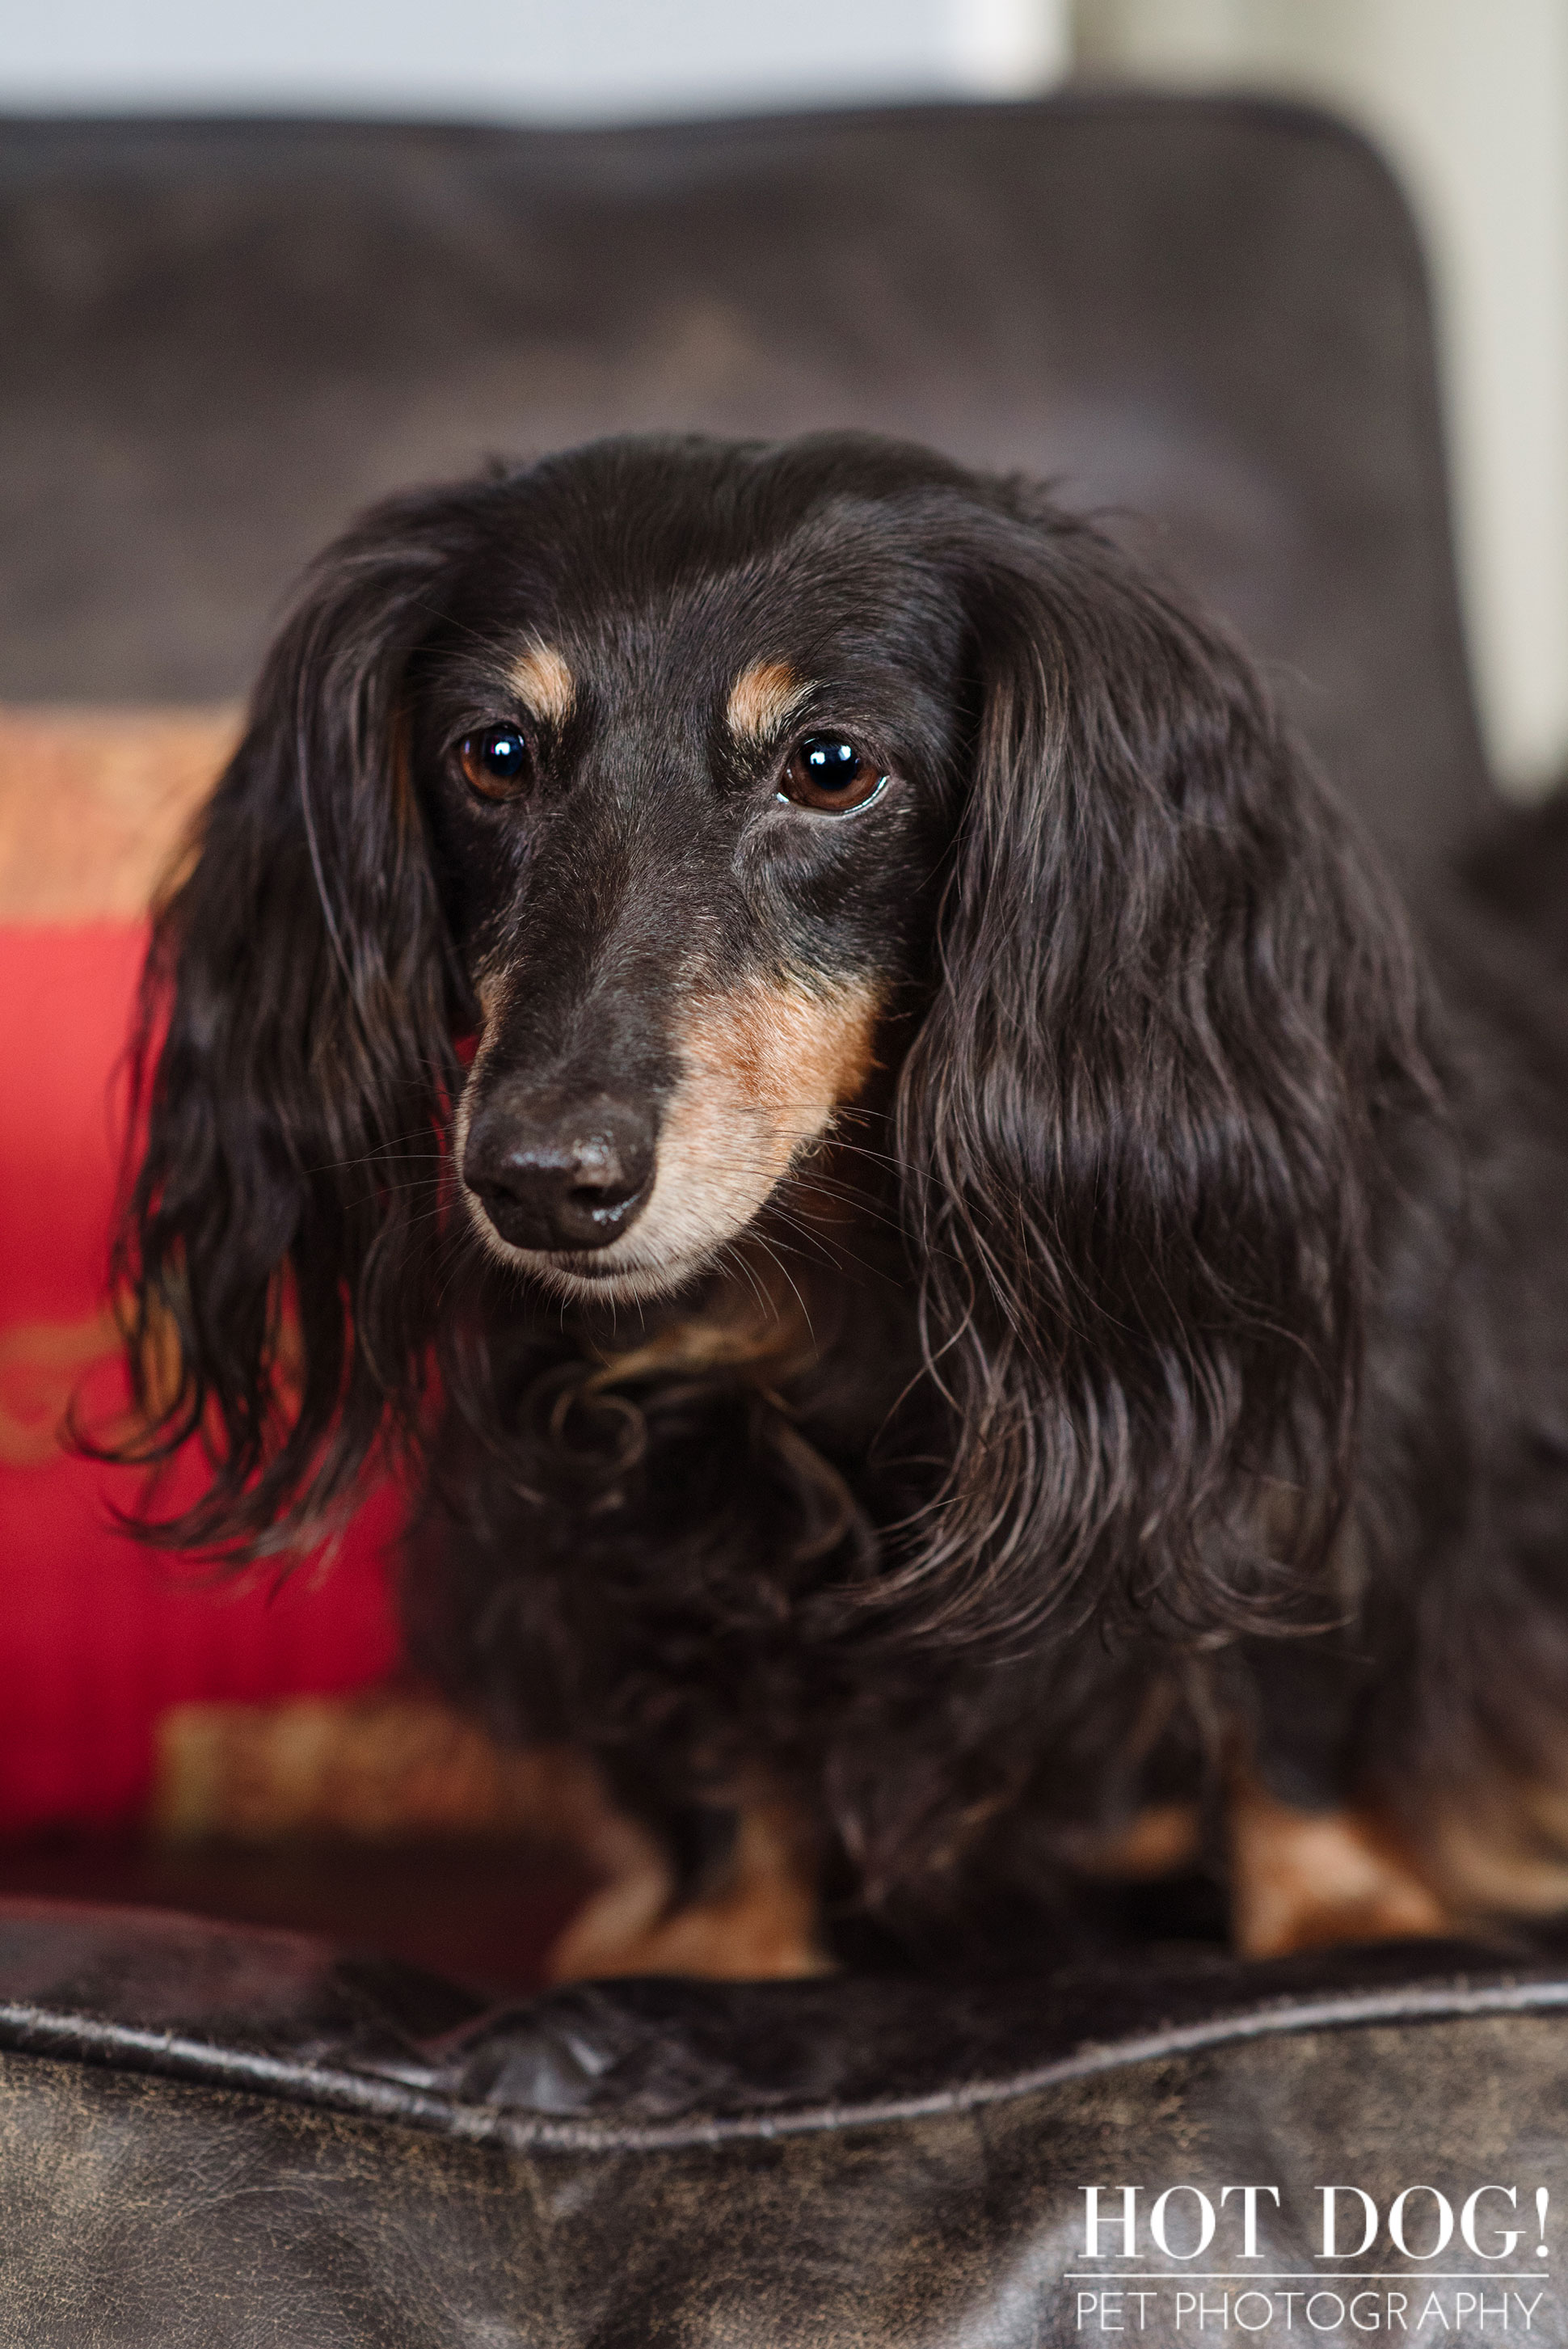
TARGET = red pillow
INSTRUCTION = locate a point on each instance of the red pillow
(99, 1639)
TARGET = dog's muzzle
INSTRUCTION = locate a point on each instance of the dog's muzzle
(560, 1176)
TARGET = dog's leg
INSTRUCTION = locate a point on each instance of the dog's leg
(1157, 1840)
(759, 1922)
(1308, 1880)
(1503, 1850)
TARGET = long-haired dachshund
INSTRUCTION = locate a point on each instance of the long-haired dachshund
(976, 1315)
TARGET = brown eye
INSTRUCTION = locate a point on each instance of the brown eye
(497, 763)
(827, 771)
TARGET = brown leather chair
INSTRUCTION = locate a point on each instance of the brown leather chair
(217, 2139)
(216, 341)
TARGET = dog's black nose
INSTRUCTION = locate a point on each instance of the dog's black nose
(556, 1175)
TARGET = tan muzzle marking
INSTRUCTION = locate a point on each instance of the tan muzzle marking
(766, 1068)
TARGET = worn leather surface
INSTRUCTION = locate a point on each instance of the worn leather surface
(214, 2136)
(217, 341)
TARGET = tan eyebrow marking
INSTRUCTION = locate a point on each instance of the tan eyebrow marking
(541, 677)
(761, 699)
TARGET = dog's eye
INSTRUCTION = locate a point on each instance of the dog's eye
(827, 771)
(497, 763)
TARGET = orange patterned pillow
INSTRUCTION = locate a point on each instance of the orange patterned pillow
(94, 803)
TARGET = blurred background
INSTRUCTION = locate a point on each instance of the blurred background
(1469, 99)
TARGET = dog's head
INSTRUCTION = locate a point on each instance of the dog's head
(683, 736)
(712, 789)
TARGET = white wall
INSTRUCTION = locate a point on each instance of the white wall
(1470, 98)
(543, 60)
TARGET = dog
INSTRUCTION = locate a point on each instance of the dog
(981, 1312)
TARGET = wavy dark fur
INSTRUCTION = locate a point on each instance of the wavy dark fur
(1188, 1289)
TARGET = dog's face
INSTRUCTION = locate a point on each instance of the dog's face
(718, 787)
(685, 759)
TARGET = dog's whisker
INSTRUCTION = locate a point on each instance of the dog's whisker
(832, 1244)
(771, 1251)
(731, 1255)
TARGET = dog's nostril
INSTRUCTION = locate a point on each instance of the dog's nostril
(561, 1177)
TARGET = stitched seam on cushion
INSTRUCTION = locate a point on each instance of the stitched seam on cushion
(177, 2056)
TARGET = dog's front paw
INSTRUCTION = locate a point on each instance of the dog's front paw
(759, 1923)
(1309, 1879)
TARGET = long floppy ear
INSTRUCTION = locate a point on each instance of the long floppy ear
(1145, 1123)
(293, 1068)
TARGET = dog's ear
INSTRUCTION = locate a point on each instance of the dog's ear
(294, 1069)
(1145, 1121)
